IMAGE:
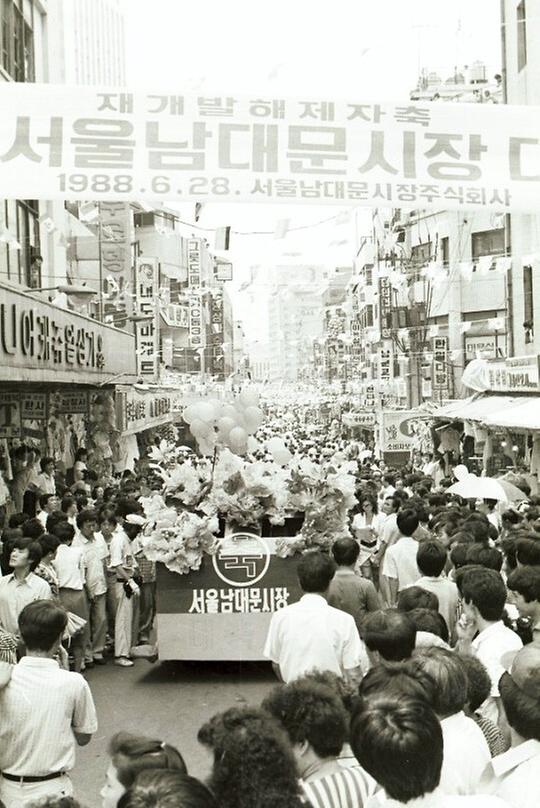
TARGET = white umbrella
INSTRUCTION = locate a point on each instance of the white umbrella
(473, 487)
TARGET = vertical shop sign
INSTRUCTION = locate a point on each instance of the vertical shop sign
(146, 293)
(440, 364)
(218, 359)
(115, 261)
(385, 305)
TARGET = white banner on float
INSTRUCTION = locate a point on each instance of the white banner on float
(101, 143)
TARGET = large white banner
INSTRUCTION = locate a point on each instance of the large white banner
(99, 143)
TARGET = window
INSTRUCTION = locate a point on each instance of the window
(521, 35)
(21, 265)
(17, 35)
(528, 303)
(421, 254)
(445, 250)
(487, 242)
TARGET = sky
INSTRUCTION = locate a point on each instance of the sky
(369, 50)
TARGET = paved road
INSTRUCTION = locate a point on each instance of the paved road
(169, 701)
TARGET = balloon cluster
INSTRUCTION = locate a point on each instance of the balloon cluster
(216, 423)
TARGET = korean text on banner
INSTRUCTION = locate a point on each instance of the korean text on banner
(99, 143)
(399, 430)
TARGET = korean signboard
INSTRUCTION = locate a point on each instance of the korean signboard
(146, 292)
(399, 429)
(10, 415)
(88, 143)
(223, 610)
(440, 376)
(196, 321)
(361, 419)
(51, 344)
(115, 260)
(137, 410)
(487, 347)
(517, 375)
(216, 325)
(385, 307)
(194, 263)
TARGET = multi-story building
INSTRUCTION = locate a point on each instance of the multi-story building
(431, 286)
(520, 30)
(88, 38)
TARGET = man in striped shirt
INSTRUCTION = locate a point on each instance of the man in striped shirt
(316, 722)
(44, 713)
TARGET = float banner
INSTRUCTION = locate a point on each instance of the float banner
(101, 143)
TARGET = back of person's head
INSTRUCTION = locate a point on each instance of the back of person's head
(458, 555)
(399, 742)
(17, 520)
(397, 679)
(415, 597)
(53, 519)
(462, 537)
(132, 754)
(528, 552)
(67, 503)
(52, 801)
(431, 558)
(485, 590)
(478, 681)
(390, 633)
(131, 530)
(34, 550)
(478, 525)
(511, 518)
(526, 582)
(407, 522)
(429, 621)
(64, 532)
(49, 543)
(33, 528)
(310, 712)
(41, 624)
(447, 671)
(163, 788)
(345, 552)
(315, 570)
(345, 691)
(484, 556)
(252, 757)
(520, 693)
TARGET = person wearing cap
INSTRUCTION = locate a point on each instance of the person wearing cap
(524, 583)
(514, 776)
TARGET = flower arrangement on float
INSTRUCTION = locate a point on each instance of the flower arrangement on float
(182, 522)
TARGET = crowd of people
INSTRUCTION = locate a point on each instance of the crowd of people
(408, 673)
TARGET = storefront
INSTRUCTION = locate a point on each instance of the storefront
(498, 427)
(57, 374)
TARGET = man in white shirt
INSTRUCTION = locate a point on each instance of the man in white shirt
(45, 482)
(70, 571)
(22, 586)
(465, 749)
(44, 713)
(95, 552)
(399, 568)
(515, 775)
(484, 596)
(122, 564)
(431, 558)
(47, 503)
(310, 634)
(399, 742)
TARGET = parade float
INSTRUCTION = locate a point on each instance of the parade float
(228, 527)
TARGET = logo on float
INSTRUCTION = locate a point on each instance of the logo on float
(242, 559)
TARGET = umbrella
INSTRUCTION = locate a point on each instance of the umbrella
(473, 487)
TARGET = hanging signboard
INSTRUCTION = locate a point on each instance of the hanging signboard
(115, 260)
(385, 307)
(146, 292)
(517, 375)
(10, 415)
(34, 406)
(88, 143)
(399, 432)
(440, 377)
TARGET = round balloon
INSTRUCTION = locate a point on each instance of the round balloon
(190, 413)
(461, 472)
(199, 429)
(205, 411)
(275, 444)
(282, 456)
(253, 417)
(249, 398)
(229, 411)
(225, 424)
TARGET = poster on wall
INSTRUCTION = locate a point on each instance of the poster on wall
(400, 430)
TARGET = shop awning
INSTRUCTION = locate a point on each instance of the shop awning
(523, 414)
(479, 408)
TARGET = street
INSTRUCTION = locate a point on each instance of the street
(168, 701)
